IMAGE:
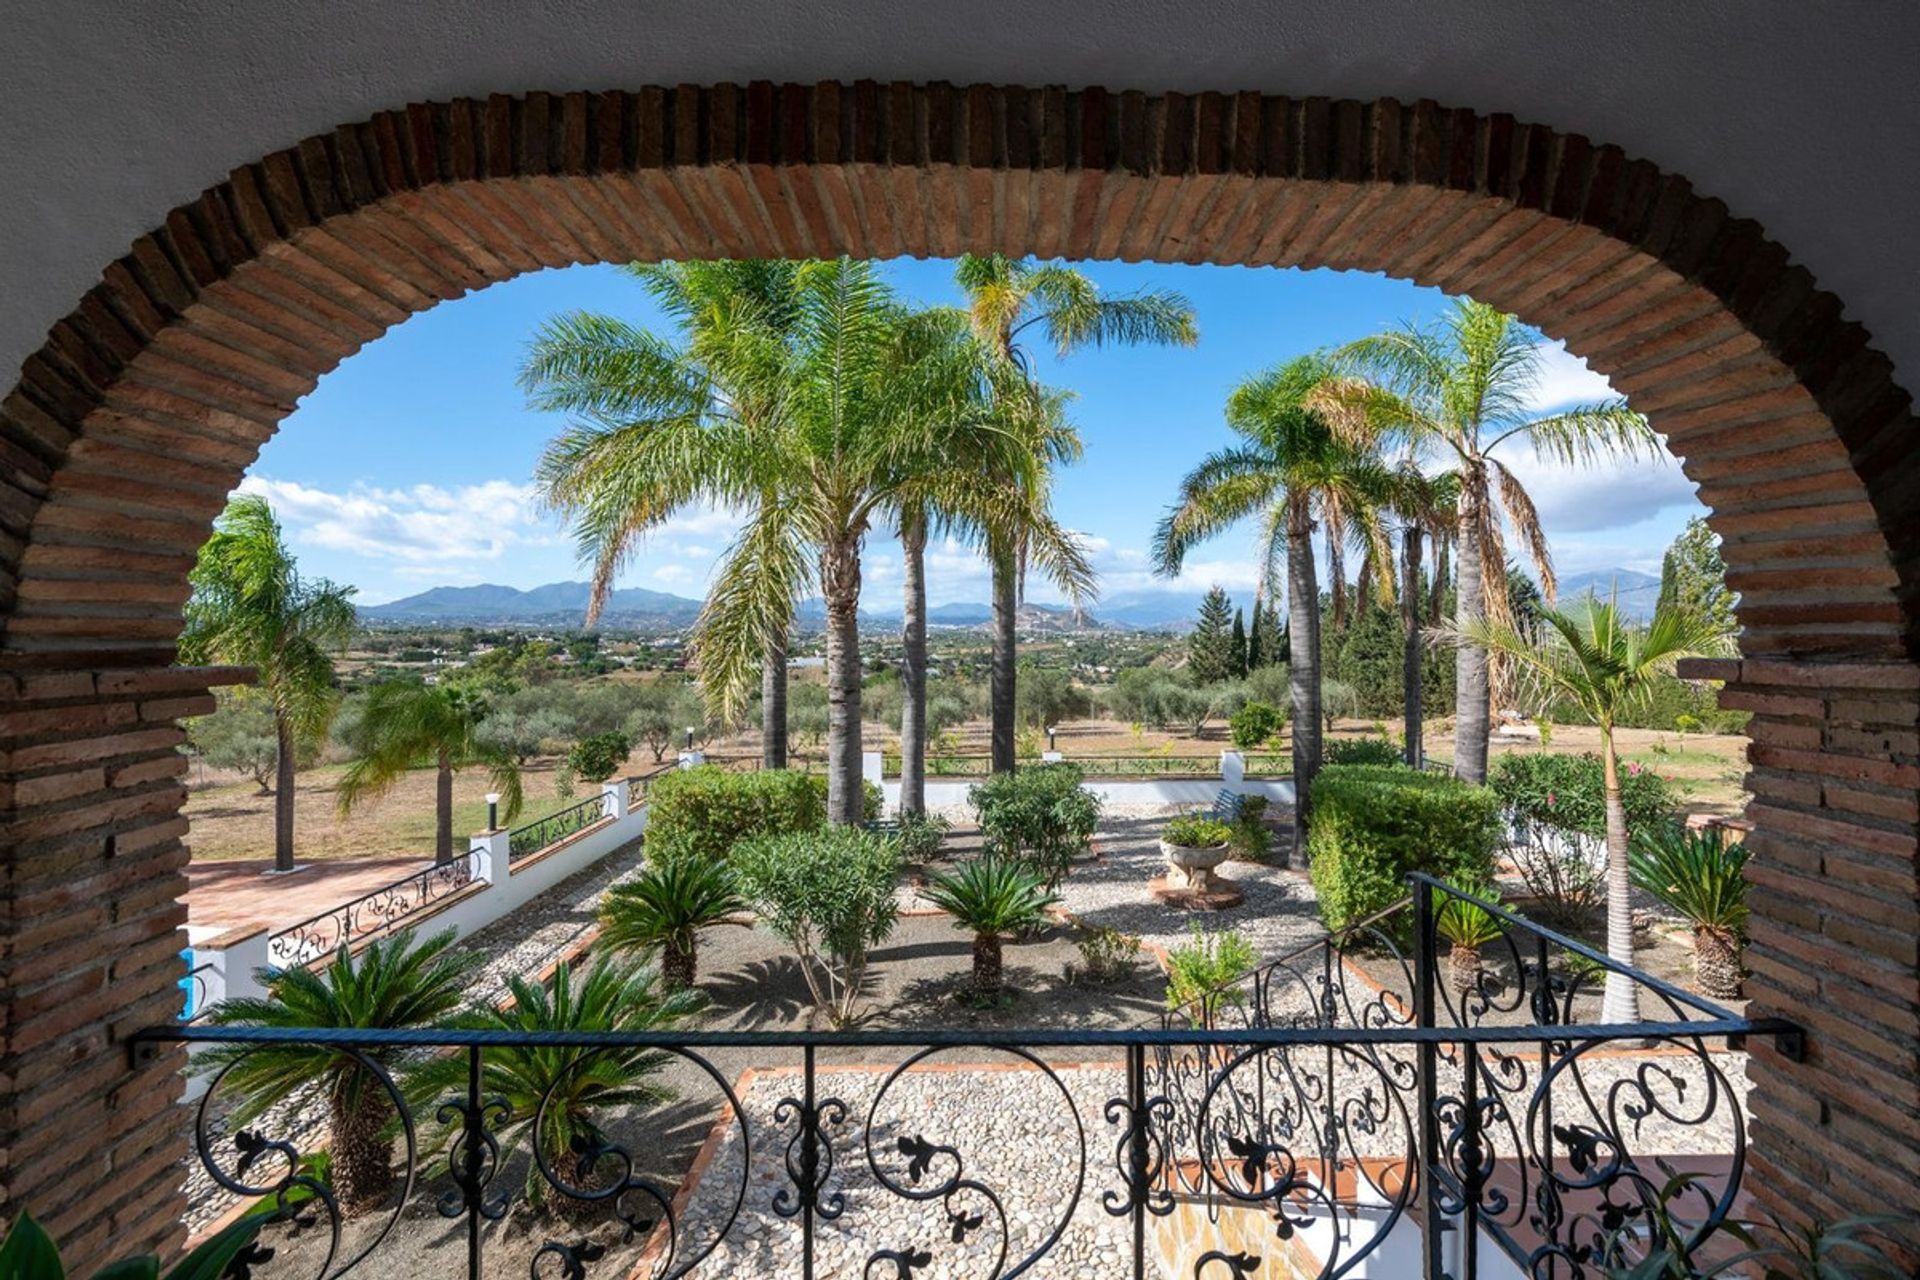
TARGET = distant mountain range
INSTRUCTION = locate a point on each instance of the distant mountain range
(563, 604)
(1634, 594)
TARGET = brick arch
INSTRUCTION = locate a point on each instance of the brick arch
(127, 429)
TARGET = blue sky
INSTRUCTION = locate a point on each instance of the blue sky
(408, 466)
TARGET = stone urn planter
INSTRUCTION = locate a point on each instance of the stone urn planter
(1191, 868)
(1193, 846)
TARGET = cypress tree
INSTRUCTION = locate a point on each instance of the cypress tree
(1257, 638)
(1237, 659)
(1210, 647)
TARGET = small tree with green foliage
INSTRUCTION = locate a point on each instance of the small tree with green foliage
(1255, 724)
(239, 736)
(1210, 645)
(1693, 577)
(594, 759)
(1041, 817)
(832, 895)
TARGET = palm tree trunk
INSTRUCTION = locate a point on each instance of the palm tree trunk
(913, 665)
(987, 965)
(1410, 622)
(1303, 672)
(283, 784)
(443, 811)
(679, 963)
(840, 583)
(361, 1168)
(773, 705)
(1437, 590)
(1622, 1000)
(1337, 572)
(1005, 654)
(1471, 707)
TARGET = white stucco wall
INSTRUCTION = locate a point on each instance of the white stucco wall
(1800, 115)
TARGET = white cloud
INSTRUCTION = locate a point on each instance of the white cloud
(425, 526)
(671, 574)
(1606, 496)
(1564, 379)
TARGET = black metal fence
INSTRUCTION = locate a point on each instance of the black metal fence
(368, 914)
(555, 827)
(1354, 1100)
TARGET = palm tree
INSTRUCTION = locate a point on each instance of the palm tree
(565, 1093)
(665, 907)
(1005, 298)
(1462, 388)
(391, 985)
(870, 417)
(1288, 469)
(251, 607)
(1590, 656)
(407, 724)
(991, 897)
(622, 383)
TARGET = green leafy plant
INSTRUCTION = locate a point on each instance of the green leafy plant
(1684, 724)
(665, 907)
(1557, 807)
(831, 895)
(1467, 927)
(1255, 724)
(701, 814)
(1817, 1251)
(1039, 815)
(921, 836)
(1107, 954)
(1201, 974)
(1544, 727)
(391, 984)
(1377, 751)
(991, 897)
(29, 1253)
(1252, 842)
(1373, 824)
(1196, 831)
(570, 1090)
(1704, 879)
(594, 759)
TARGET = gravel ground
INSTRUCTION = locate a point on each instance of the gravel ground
(1277, 916)
(1016, 1132)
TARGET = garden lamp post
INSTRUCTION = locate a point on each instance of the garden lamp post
(689, 737)
(1051, 730)
(493, 810)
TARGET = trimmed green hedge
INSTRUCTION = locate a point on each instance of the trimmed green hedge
(1372, 824)
(704, 811)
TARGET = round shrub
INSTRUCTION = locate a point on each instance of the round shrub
(1039, 815)
(831, 895)
(872, 799)
(1373, 824)
(1568, 793)
(1363, 751)
(1254, 724)
(705, 811)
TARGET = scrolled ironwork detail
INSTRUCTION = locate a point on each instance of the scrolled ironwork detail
(368, 914)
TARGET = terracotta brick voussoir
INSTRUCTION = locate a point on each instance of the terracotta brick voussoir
(123, 433)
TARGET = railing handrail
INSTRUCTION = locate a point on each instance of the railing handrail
(562, 815)
(1032, 1037)
(370, 894)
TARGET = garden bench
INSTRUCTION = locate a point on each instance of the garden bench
(1226, 807)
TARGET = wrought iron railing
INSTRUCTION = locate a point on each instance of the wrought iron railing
(196, 995)
(370, 913)
(1343, 1103)
(557, 826)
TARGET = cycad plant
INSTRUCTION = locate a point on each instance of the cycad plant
(407, 725)
(250, 606)
(1594, 658)
(1462, 390)
(991, 897)
(665, 907)
(567, 1093)
(1467, 927)
(1704, 879)
(392, 984)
